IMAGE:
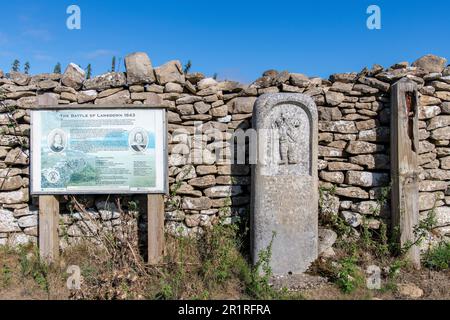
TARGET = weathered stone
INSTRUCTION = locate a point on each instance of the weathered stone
(342, 87)
(177, 215)
(325, 137)
(352, 218)
(202, 107)
(206, 83)
(108, 92)
(426, 158)
(170, 72)
(19, 78)
(329, 205)
(328, 114)
(8, 222)
(442, 217)
(427, 112)
(206, 170)
(107, 210)
(13, 197)
(427, 200)
(192, 220)
(139, 69)
(203, 182)
(188, 100)
(362, 147)
(338, 126)
(223, 191)
(202, 203)
(136, 88)
(233, 180)
(365, 89)
(86, 96)
(243, 104)
(429, 186)
(186, 173)
(106, 81)
(445, 163)
(186, 109)
(236, 170)
(425, 146)
(173, 88)
(73, 77)
(28, 221)
(26, 211)
(344, 77)
(285, 184)
(375, 83)
(68, 96)
(380, 134)
(409, 290)
(367, 125)
(439, 122)
(10, 172)
(47, 84)
(443, 95)
(441, 133)
(121, 97)
(352, 192)
(17, 156)
(334, 98)
(327, 238)
(429, 100)
(11, 183)
(329, 152)
(431, 63)
(343, 166)
(221, 111)
(367, 179)
(32, 231)
(366, 207)
(173, 117)
(335, 177)
(372, 161)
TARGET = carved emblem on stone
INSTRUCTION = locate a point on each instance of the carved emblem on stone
(288, 136)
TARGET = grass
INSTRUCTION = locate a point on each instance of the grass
(438, 258)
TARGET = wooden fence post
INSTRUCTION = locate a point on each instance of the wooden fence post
(155, 221)
(48, 210)
(404, 165)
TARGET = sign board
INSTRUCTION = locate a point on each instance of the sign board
(98, 151)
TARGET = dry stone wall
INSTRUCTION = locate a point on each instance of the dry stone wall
(354, 133)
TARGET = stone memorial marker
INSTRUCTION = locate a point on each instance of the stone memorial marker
(285, 182)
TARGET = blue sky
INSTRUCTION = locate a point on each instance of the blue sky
(238, 40)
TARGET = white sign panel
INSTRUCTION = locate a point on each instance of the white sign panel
(86, 151)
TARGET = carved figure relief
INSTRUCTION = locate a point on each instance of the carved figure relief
(288, 135)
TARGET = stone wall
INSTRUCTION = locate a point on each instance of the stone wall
(354, 121)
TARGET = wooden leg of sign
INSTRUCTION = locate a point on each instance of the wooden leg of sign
(155, 218)
(48, 228)
(48, 208)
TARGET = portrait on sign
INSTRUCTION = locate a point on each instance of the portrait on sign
(57, 140)
(138, 140)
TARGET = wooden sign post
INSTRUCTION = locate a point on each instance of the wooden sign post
(404, 166)
(48, 210)
(155, 221)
